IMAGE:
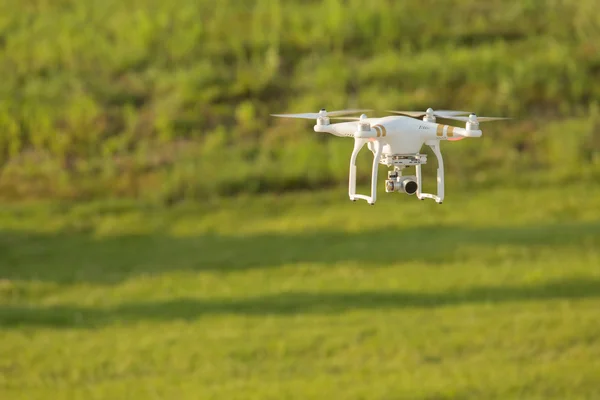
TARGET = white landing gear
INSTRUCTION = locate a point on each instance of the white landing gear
(358, 144)
(396, 182)
(435, 147)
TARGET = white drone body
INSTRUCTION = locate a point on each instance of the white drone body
(396, 141)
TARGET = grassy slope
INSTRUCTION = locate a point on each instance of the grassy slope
(491, 295)
(98, 96)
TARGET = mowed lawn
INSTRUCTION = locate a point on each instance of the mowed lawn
(492, 295)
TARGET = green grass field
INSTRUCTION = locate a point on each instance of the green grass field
(492, 295)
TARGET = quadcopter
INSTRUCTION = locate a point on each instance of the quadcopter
(395, 141)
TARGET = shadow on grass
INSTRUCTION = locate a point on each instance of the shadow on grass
(70, 258)
(290, 304)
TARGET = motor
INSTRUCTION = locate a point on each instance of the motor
(402, 184)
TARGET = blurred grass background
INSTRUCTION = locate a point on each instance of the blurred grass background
(162, 237)
(167, 101)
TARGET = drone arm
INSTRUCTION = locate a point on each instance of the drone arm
(435, 147)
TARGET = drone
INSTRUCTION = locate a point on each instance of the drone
(396, 141)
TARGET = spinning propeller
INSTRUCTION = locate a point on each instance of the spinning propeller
(475, 119)
(429, 112)
(321, 114)
(448, 114)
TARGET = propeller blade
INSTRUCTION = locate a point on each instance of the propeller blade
(482, 119)
(479, 119)
(317, 115)
(439, 113)
(442, 113)
(347, 118)
(408, 113)
(343, 112)
(304, 116)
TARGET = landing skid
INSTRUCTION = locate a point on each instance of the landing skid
(435, 147)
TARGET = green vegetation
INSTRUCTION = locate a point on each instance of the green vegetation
(169, 100)
(494, 296)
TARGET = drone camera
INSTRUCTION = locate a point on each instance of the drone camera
(402, 184)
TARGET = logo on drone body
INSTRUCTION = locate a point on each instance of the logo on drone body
(423, 127)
